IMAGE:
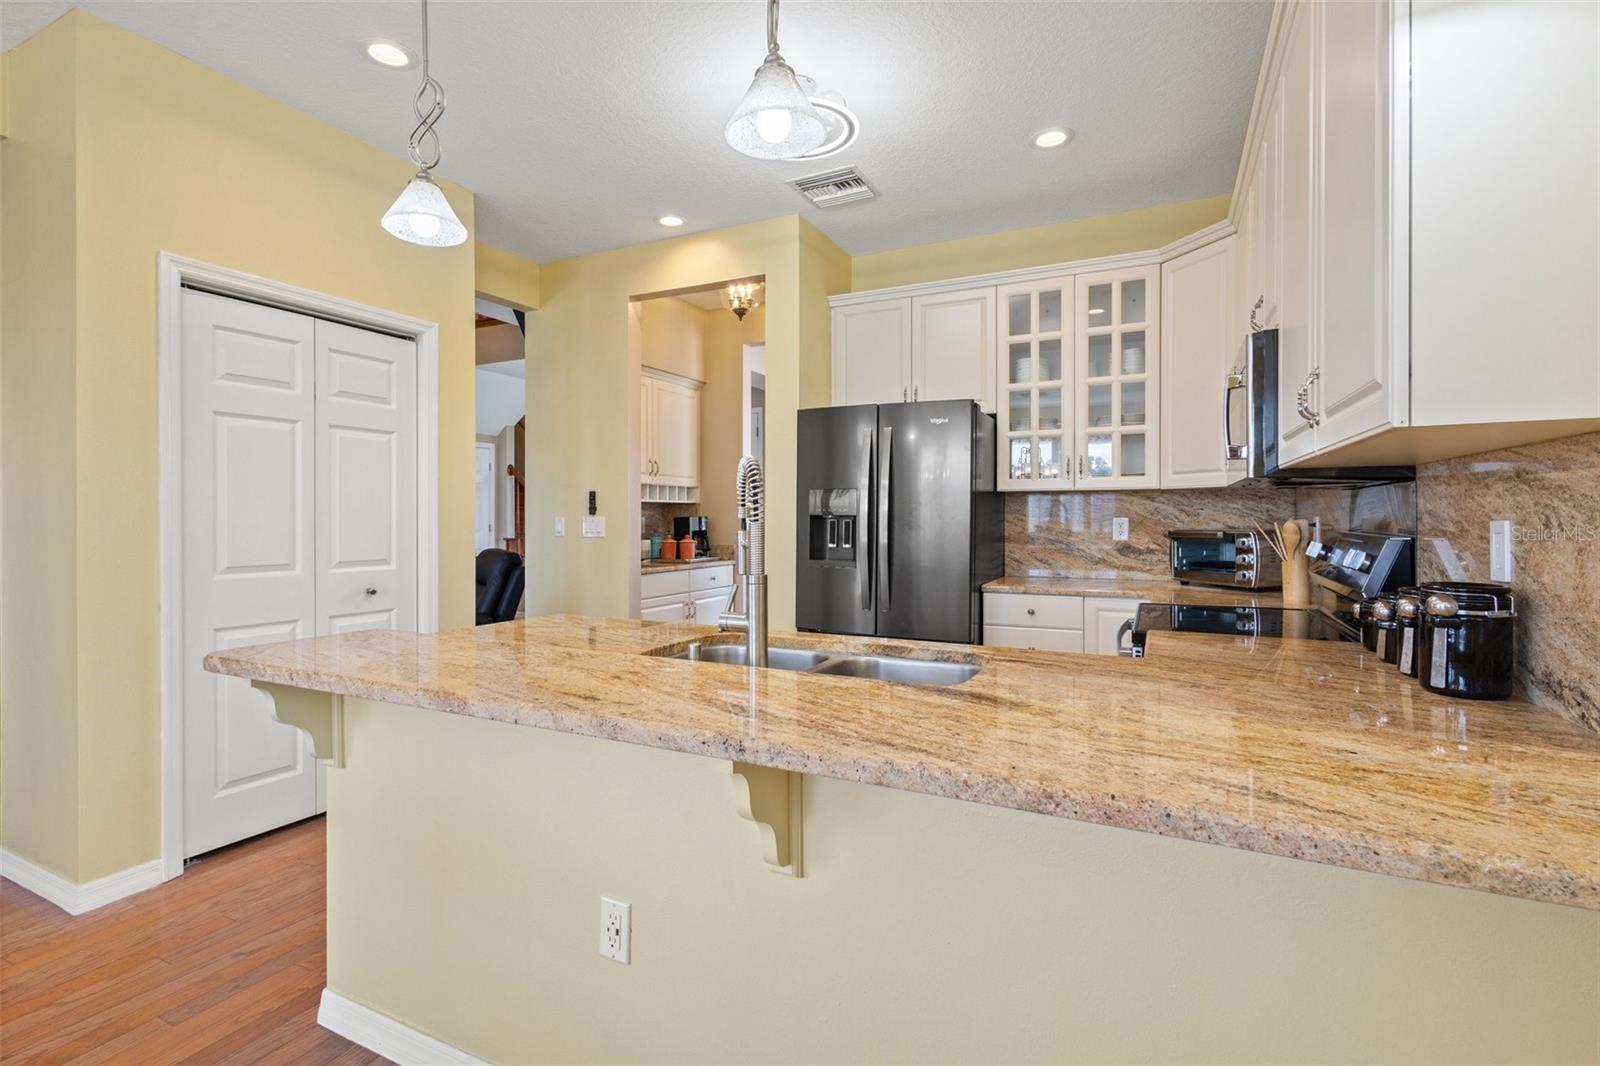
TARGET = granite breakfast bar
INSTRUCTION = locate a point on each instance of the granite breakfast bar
(908, 808)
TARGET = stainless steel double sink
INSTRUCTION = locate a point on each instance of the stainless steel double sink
(840, 664)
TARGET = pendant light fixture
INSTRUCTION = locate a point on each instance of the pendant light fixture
(421, 214)
(775, 120)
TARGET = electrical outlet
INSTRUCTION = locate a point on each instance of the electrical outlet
(1119, 528)
(1502, 564)
(561, 526)
(615, 929)
(594, 526)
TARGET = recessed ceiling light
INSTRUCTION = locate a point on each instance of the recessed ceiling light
(670, 220)
(387, 53)
(1052, 138)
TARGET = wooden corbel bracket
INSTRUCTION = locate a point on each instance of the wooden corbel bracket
(773, 800)
(320, 714)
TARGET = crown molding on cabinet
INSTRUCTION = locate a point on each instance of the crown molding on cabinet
(1150, 257)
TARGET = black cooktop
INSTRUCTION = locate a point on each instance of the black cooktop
(1271, 622)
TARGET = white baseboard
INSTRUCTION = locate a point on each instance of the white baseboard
(380, 1033)
(72, 897)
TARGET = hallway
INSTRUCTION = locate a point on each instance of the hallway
(224, 964)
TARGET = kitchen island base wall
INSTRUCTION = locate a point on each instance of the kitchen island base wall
(466, 859)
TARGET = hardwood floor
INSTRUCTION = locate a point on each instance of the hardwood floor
(224, 964)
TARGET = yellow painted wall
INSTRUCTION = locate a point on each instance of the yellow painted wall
(38, 450)
(506, 277)
(583, 398)
(1057, 242)
(464, 902)
(672, 337)
(174, 157)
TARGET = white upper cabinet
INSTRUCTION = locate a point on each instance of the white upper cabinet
(1034, 385)
(1200, 333)
(1297, 362)
(1377, 238)
(1352, 224)
(669, 437)
(872, 352)
(952, 347)
(1118, 378)
(934, 347)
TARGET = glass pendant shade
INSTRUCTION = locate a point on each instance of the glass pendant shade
(775, 120)
(422, 215)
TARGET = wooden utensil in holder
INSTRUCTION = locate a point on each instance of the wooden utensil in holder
(1296, 576)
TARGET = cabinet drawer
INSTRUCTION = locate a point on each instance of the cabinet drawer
(1021, 609)
(671, 583)
(711, 577)
(1033, 639)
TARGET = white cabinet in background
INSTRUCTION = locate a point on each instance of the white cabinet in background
(872, 352)
(669, 431)
(1200, 340)
(1039, 622)
(696, 594)
(952, 347)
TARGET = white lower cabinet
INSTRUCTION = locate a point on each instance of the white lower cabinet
(693, 595)
(1103, 619)
(1038, 622)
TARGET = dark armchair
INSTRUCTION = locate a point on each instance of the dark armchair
(500, 579)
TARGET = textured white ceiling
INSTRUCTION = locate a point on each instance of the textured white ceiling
(578, 123)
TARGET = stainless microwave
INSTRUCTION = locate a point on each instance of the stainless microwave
(1251, 419)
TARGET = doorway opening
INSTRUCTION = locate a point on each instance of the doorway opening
(698, 404)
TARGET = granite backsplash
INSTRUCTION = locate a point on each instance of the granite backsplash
(1069, 533)
(1550, 492)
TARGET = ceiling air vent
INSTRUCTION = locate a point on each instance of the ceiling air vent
(834, 187)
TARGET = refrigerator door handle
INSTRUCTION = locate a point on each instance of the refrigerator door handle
(864, 565)
(885, 484)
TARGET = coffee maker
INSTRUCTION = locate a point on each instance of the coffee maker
(697, 526)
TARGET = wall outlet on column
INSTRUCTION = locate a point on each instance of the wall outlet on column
(616, 931)
(1119, 528)
(561, 526)
(1502, 564)
(594, 525)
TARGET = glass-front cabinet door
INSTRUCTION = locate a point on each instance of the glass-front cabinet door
(1117, 379)
(1034, 393)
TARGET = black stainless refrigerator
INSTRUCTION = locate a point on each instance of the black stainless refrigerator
(899, 523)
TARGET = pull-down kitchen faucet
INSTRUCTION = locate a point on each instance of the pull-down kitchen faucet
(751, 549)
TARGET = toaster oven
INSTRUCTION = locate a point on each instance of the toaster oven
(1232, 557)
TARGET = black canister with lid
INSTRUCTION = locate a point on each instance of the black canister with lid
(1467, 639)
(1408, 614)
(1380, 628)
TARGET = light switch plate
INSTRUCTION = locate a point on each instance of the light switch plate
(594, 525)
(1502, 564)
(1119, 528)
(561, 526)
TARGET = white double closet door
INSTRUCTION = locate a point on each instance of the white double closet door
(299, 520)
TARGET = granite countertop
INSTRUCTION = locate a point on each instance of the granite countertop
(1306, 749)
(1154, 589)
(664, 566)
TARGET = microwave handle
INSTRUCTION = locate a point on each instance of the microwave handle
(1232, 451)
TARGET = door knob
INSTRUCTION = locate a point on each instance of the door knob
(371, 591)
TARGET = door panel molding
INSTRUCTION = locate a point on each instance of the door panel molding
(174, 274)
